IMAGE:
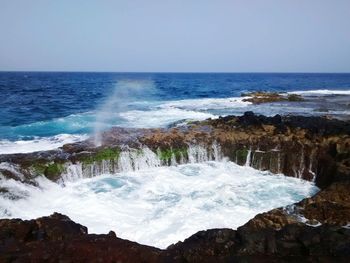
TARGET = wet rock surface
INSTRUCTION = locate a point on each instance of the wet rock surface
(330, 206)
(313, 230)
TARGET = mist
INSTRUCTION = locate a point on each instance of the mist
(125, 93)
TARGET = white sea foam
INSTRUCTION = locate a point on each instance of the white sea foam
(159, 206)
(339, 112)
(207, 104)
(39, 144)
(321, 92)
(172, 111)
(161, 117)
(12, 168)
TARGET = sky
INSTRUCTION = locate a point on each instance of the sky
(175, 35)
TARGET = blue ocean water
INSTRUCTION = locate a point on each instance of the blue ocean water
(37, 105)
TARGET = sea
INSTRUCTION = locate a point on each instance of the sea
(156, 206)
(44, 110)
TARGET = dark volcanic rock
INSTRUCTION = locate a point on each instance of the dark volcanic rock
(275, 236)
(58, 239)
(56, 227)
(211, 245)
(315, 125)
(292, 243)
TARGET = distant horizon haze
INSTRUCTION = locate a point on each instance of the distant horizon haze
(170, 72)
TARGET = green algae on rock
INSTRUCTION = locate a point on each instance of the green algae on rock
(100, 155)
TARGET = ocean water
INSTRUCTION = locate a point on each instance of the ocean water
(42, 111)
(159, 206)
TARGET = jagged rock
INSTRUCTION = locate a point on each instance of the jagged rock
(54, 228)
(275, 236)
(58, 239)
(330, 206)
(214, 244)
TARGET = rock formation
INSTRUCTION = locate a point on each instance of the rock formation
(267, 97)
(295, 146)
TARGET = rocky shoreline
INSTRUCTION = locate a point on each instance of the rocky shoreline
(312, 148)
(296, 146)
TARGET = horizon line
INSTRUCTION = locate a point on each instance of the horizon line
(174, 72)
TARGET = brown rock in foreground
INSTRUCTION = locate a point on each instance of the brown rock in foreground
(58, 239)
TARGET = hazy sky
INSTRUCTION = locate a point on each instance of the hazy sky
(177, 35)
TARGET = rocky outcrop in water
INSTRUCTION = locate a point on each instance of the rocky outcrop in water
(267, 97)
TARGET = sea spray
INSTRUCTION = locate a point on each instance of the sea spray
(124, 94)
(248, 160)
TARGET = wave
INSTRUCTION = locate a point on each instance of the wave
(323, 92)
(161, 117)
(39, 144)
(208, 104)
(72, 124)
(159, 206)
(165, 113)
(169, 112)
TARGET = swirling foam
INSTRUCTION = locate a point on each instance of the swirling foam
(159, 206)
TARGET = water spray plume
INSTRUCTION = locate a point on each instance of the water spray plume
(124, 93)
